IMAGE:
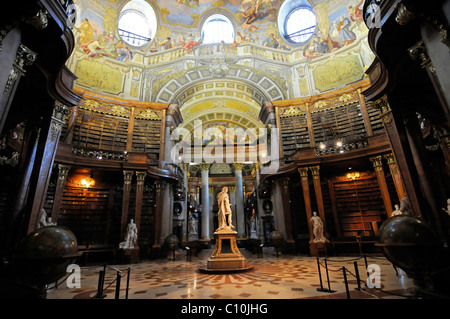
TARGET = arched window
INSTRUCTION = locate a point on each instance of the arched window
(217, 28)
(300, 25)
(296, 22)
(137, 23)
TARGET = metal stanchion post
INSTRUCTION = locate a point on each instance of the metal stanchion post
(346, 283)
(101, 281)
(320, 276)
(328, 277)
(367, 266)
(118, 285)
(128, 283)
(357, 275)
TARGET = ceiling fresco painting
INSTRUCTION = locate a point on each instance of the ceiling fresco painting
(176, 67)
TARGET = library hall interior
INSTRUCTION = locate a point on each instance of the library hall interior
(225, 150)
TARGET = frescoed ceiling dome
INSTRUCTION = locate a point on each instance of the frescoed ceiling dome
(218, 58)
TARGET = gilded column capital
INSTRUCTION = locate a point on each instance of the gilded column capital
(390, 159)
(63, 170)
(238, 166)
(205, 166)
(314, 169)
(140, 176)
(376, 161)
(186, 166)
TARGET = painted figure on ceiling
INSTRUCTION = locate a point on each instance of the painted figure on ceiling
(347, 36)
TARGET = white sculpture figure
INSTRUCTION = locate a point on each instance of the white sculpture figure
(405, 208)
(253, 230)
(193, 232)
(45, 220)
(448, 207)
(224, 210)
(130, 236)
(397, 211)
(317, 228)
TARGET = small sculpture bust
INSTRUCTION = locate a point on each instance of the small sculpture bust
(317, 228)
(224, 214)
(45, 220)
(397, 211)
(405, 208)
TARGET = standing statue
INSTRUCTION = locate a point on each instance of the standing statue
(130, 236)
(448, 207)
(193, 232)
(224, 214)
(317, 228)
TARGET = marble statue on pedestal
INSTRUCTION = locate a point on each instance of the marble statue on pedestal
(130, 236)
(317, 228)
(224, 214)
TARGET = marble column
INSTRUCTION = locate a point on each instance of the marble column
(167, 212)
(259, 208)
(204, 167)
(239, 199)
(184, 214)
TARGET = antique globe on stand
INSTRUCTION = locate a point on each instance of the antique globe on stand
(276, 239)
(171, 242)
(411, 244)
(42, 256)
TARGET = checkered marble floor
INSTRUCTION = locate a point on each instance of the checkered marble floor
(273, 277)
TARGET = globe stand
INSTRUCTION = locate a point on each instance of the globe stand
(226, 257)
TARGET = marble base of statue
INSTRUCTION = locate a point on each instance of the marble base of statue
(226, 257)
(128, 255)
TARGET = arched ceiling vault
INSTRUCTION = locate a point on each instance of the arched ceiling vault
(259, 85)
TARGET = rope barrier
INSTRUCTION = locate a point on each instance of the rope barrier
(356, 275)
(117, 280)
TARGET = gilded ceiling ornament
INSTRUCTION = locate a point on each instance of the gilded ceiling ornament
(148, 115)
(292, 111)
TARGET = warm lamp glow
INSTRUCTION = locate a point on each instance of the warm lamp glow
(353, 175)
(87, 182)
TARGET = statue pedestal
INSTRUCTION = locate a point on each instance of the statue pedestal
(226, 256)
(318, 249)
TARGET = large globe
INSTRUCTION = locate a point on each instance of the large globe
(171, 241)
(410, 243)
(42, 256)
(276, 238)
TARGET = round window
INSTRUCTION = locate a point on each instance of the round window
(137, 23)
(299, 25)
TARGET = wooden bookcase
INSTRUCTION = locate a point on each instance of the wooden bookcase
(147, 137)
(85, 211)
(102, 131)
(346, 122)
(375, 120)
(294, 134)
(358, 204)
